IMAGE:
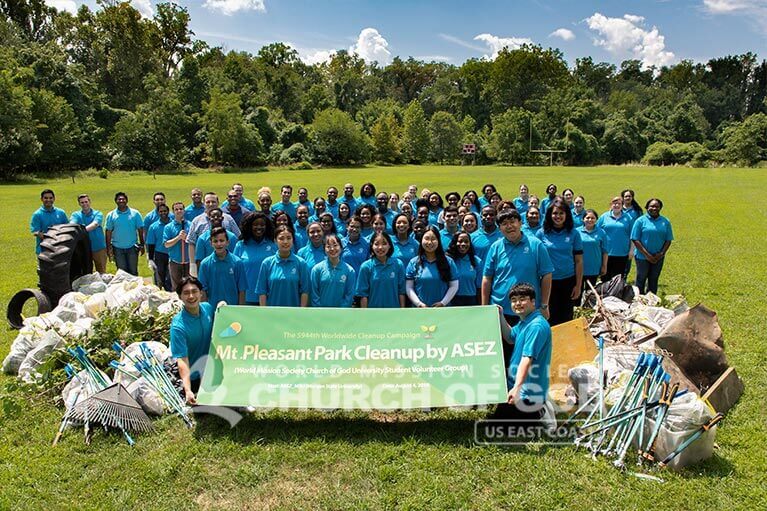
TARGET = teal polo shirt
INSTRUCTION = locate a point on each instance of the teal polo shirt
(356, 253)
(381, 283)
(593, 249)
(96, 235)
(124, 226)
(653, 233)
(43, 219)
(332, 286)
(562, 247)
(311, 254)
(169, 232)
(283, 281)
(405, 251)
(155, 235)
(427, 283)
(532, 338)
(190, 336)
(508, 264)
(469, 275)
(253, 253)
(222, 279)
(618, 231)
(482, 240)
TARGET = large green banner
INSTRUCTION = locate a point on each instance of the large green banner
(279, 357)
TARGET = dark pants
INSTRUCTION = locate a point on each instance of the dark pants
(530, 414)
(177, 272)
(560, 303)
(648, 274)
(126, 259)
(464, 300)
(162, 275)
(616, 265)
(589, 278)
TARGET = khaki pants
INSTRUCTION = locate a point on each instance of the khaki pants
(177, 272)
(100, 260)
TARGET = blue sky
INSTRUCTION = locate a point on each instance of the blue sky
(656, 32)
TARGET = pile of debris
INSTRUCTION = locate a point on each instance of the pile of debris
(686, 348)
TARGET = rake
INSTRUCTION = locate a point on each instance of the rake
(114, 407)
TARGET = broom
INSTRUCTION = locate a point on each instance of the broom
(114, 407)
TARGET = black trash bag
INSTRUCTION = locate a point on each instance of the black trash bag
(616, 287)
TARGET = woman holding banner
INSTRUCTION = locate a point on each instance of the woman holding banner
(431, 277)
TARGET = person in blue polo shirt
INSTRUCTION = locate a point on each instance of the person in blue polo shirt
(283, 280)
(532, 221)
(528, 371)
(157, 254)
(202, 247)
(405, 245)
(520, 202)
(256, 244)
(431, 278)
(233, 207)
(652, 236)
(197, 207)
(487, 191)
(222, 274)
(314, 251)
(158, 199)
(46, 217)
(299, 228)
(124, 235)
(565, 249)
(551, 193)
(451, 228)
(356, 248)
(348, 198)
(93, 221)
(594, 248)
(382, 206)
(617, 227)
(367, 195)
(381, 279)
(190, 332)
(174, 238)
(488, 234)
(303, 200)
(332, 281)
(469, 268)
(514, 259)
(332, 202)
(286, 192)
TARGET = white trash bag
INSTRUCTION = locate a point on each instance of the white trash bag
(50, 341)
(147, 397)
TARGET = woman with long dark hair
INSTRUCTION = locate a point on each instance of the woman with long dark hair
(565, 248)
(469, 269)
(332, 280)
(551, 194)
(435, 208)
(283, 280)
(256, 244)
(431, 278)
(365, 213)
(405, 244)
(381, 279)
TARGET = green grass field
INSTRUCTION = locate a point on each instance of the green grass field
(411, 460)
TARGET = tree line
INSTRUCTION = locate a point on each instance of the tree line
(108, 88)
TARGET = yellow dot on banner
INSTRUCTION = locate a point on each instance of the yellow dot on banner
(232, 330)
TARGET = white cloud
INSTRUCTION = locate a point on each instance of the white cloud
(372, 47)
(63, 5)
(229, 7)
(460, 42)
(144, 7)
(432, 58)
(313, 56)
(496, 44)
(627, 36)
(563, 33)
(728, 6)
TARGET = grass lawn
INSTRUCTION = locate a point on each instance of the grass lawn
(358, 460)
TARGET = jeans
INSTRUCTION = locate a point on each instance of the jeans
(162, 276)
(648, 273)
(126, 259)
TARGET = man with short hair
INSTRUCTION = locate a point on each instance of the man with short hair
(124, 235)
(196, 208)
(382, 205)
(233, 207)
(202, 224)
(92, 220)
(203, 248)
(157, 254)
(514, 259)
(483, 238)
(451, 226)
(301, 238)
(331, 204)
(158, 199)
(45, 217)
(244, 202)
(528, 371)
(349, 198)
(286, 192)
(174, 238)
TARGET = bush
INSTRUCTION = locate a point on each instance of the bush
(678, 153)
(304, 165)
(293, 154)
(337, 139)
(104, 173)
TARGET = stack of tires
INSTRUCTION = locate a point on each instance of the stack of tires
(65, 255)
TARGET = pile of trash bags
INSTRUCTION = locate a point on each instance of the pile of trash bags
(74, 317)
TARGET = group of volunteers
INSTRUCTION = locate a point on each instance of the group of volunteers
(378, 249)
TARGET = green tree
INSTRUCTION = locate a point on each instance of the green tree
(687, 123)
(416, 144)
(337, 139)
(510, 138)
(229, 138)
(385, 136)
(174, 36)
(446, 135)
(56, 128)
(18, 141)
(745, 143)
(622, 141)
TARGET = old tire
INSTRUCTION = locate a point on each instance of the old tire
(65, 255)
(16, 305)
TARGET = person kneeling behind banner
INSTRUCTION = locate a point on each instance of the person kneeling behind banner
(528, 373)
